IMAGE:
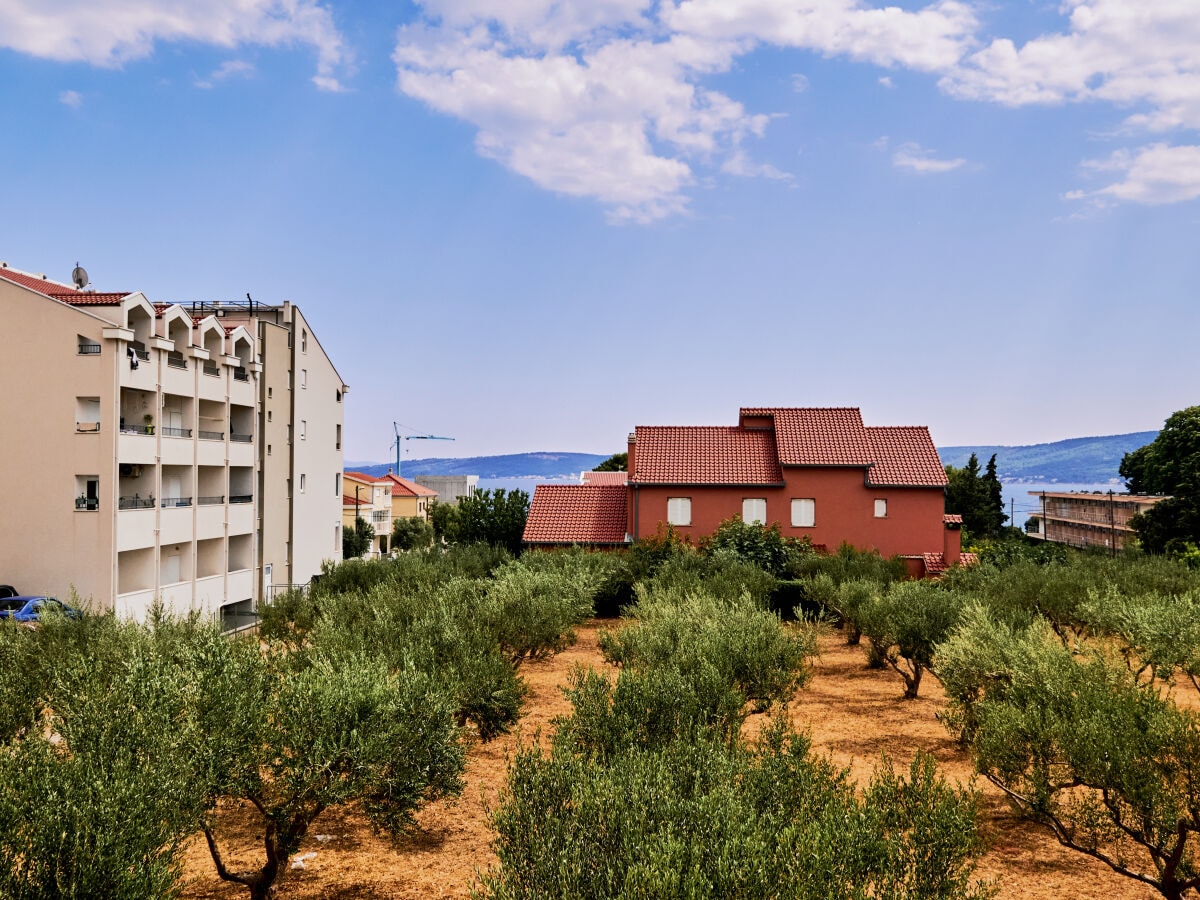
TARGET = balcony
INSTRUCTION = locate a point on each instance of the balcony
(240, 438)
(212, 369)
(89, 348)
(135, 502)
(87, 503)
(87, 427)
(135, 429)
(215, 500)
(175, 360)
(212, 435)
(177, 432)
(241, 498)
(175, 502)
(239, 374)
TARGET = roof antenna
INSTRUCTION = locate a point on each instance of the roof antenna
(79, 276)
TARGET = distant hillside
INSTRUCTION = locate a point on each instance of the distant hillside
(1087, 460)
(511, 465)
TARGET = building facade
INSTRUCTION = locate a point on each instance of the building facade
(1089, 520)
(137, 466)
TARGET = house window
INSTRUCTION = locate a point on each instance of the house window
(679, 510)
(304, 379)
(303, 482)
(337, 484)
(880, 509)
(303, 341)
(754, 510)
(268, 415)
(270, 391)
(338, 445)
(804, 513)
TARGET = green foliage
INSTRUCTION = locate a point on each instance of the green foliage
(849, 564)
(639, 563)
(357, 541)
(444, 519)
(976, 497)
(1159, 635)
(411, 534)
(531, 609)
(496, 517)
(1107, 763)
(709, 820)
(906, 623)
(762, 545)
(615, 463)
(720, 576)
(1169, 465)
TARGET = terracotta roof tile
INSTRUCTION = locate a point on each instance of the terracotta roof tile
(402, 487)
(952, 519)
(674, 454)
(362, 477)
(576, 514)
(816, 436)
(37, 283)
(604, 478)
(904, 456)
(935, 563)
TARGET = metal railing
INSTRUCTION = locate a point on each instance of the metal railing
(212, 435)
(87, 503)
(211, 369)
(143, 355)
(135, 502)
(241, 498)
(210, 501)
(175, 360)
(173, 502)
(87, 348)
(241, 374)
(84, 427)
(177, 432)
(240, 438)
(137, 429)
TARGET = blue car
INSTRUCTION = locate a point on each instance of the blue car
(31, 609)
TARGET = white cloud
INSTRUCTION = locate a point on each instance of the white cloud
(233, 68)
(606, 99)
(886, 81)
(1152, 175)
(72, 99)
(915, 158)
(111, 33)
(800, 83)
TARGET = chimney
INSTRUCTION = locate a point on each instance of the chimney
(952, 542)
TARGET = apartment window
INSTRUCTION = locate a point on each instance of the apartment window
(289, 433)
(337, 484)
(804, 513)
(679, 510)
(339, 396)
(269, 415)
(304, 379)
(754, 510)
(87, 347)
(268, 449)
(338, 445)
(303, 429)
(270, 391)
(87, 414)
(880, 509)
(303, 482)
(303, 341)
(289, 488)
(337, 539)
(87, 492)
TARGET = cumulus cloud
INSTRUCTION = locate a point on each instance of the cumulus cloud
(111, 33)
(607, 99)
(233, 68)
(1151, 175)
(72, 99)
(914, 158)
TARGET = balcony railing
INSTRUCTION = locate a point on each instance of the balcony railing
(175, 360)
(177, 432)
(143, 355)
(136, 429)
(87, 348)
(210, 501)
(212, 369)
(172, 502)
(212, 435)
(241, 498)
(85, 427)
(240, 438)
(87, 503)
(241, 374)
(135, 502)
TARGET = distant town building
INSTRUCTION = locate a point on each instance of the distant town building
(163, 452)
(409, 499)
(449, 488)
(370, 498)
(1088, 520)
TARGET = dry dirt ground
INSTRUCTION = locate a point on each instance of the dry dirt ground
(854, 715)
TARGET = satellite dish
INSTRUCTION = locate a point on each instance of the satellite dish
(80, 277)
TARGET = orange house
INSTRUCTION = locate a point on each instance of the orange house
(818, 473)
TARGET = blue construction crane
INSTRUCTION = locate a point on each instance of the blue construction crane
(412, 437)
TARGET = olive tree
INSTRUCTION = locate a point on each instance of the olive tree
(906, 623)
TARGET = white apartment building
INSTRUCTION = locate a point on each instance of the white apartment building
(138, 461)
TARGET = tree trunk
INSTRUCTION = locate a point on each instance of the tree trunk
(913, 682)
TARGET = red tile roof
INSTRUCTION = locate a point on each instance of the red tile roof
(604, 478)
(64, 292)
(815, 436)
(702, 454)
(576, 514)
(364, 478)
(951, 519)
(904, 456)
(935, 563)
(402, 487)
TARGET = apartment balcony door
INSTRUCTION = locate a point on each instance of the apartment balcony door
(171, 569)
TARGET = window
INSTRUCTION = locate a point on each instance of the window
(679, 510)
(754, 510)
(804, 513)
(303, 482)
(303, 429)
(270, 391)
(337, 539)
(338, 445)
(339, 396)
(337, 484)
(289, 433)
(268, 449)
(304, 379)
(880, 509)
(303, 341)
(268, 415)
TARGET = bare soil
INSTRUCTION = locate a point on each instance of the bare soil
(854, 715)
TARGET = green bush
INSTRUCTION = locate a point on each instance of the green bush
(906, 623)
(411, 534)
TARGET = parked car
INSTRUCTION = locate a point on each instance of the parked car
(31, 609)
(7, 590)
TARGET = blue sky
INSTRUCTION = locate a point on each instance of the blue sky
(534, 225)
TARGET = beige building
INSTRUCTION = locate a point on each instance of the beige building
(409, 499)
(370, 497)
(143, 457)
(1088, 520)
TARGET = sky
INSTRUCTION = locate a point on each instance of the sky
(536, 224)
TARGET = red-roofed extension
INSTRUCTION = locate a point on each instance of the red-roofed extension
(604, 478)
(818, 473)
(566, 514)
